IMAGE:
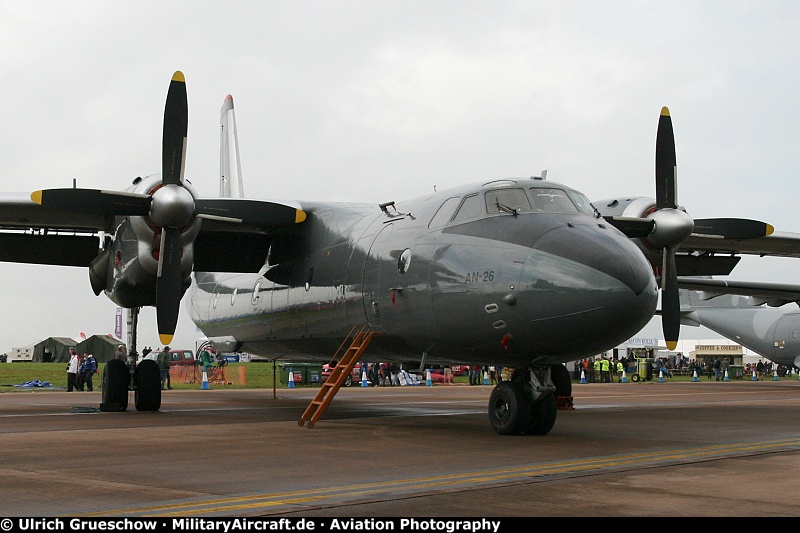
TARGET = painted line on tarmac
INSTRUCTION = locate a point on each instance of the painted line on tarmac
(388, 489)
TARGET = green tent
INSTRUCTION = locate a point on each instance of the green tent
(53, 350)
(102, 347)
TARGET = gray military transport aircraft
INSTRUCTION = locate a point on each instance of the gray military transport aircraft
(522, 273)
(763, 317)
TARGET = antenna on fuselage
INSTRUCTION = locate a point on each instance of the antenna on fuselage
(542, 177)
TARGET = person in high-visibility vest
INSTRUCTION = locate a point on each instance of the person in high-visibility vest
(620, 370)
(597, 371)
(605, 365)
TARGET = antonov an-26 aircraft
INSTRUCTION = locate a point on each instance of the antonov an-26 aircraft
(522, 273)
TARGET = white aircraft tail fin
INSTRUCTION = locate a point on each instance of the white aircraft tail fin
(230, 171)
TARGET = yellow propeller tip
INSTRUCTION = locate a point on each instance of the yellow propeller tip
(165, 338)
(299, 216)
(36, 196)
(770, 229)
(665, 111)
(671, 345)
(178, 76)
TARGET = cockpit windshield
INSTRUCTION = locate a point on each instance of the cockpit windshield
(549, 200)
(507, 201)
(512, 200)
(583, 203)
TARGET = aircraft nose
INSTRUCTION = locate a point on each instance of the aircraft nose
(600, 248)
(591, 281)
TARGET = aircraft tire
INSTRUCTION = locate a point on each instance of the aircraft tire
(115, 386)
(509, 410)
(560, 376)
(543, 416)
(147, 386)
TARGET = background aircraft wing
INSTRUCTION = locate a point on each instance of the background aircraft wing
(773, 294)
(779, 244)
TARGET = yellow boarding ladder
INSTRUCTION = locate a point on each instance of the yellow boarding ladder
(338, 374)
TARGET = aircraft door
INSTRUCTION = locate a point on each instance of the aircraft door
(376, 300)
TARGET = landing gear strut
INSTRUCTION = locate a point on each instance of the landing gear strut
(527, 404)
(120, 376)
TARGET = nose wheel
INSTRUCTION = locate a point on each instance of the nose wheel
(527, 404)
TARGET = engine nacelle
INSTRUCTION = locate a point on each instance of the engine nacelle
(127, 268)
(635, 207)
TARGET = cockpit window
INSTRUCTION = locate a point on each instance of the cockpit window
(445, 212)
(507, 201)
(583, 203)
(470, 208)
(548, 200)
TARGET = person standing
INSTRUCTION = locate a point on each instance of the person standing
(474, 372)
(163, 366)
(604, 370)
(723, 367)
(81, 377)
(205, 361)
(90, 366)
(72, 370)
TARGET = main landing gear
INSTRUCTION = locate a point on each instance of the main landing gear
(527, 403)
(119, 377)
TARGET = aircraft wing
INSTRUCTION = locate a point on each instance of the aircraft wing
(773, 294)
(234, 236)
(778, 244)
(32, 234)
(19, 211)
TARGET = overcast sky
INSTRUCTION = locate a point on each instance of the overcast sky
(380, 101)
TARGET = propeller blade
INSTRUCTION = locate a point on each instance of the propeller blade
(168, 284)
(94, 202)
(670, 299)
(666, 171)
(732, 228)
(176, 125)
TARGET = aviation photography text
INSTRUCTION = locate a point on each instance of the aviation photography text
(226, 525)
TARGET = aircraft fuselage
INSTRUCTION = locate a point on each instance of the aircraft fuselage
(506, 286)
(772, 332)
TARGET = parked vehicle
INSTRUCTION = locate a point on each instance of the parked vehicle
(354, 377)
(181, 357)
(176, 357)
(460, 370)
